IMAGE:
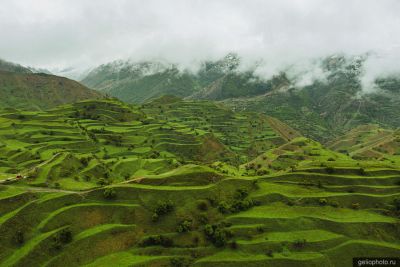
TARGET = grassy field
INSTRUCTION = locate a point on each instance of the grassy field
(187, 183)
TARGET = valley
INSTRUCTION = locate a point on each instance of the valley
(175, 182)
(188, 133)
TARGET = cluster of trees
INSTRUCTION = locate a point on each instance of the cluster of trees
(299, 243)
(154, 154)
(61, 238)
(184, 226)
(157, 240)
(257, 168)
(240, 202)
(162, 208)
(85, 115)
(102, 130)
(179, 262)
(113, 139)
(109, 193)
(101, 181)
(217, 234)
(85, 161)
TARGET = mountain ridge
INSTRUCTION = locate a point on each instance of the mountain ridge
(38, 90)
(323, 108)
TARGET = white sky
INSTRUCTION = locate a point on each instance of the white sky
(85, 33)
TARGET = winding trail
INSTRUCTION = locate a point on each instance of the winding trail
(24, 173)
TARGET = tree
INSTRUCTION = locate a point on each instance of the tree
(216, 234)
(157, 240)
(396, 203)
(65, 236)
(19, 237)
(162, 208)
(329, 170)
(184, 226)
(62, 238)
(109, 193)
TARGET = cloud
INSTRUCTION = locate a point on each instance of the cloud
(85, 33)
(380, 64)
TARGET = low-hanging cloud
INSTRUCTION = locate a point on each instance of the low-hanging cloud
(57, 34)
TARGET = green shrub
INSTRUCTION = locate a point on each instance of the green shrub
(202, 218)
(62, 238)
(255, 184)
(162, 208)
(323, 201)
(184, 226)
(65, 236)
(216, 234)
(109, 193)
(241, 205)
(154, 217)
(329, 170)
(179, 262)
(224, 207)
(202, 205)
(290, 202)
(19, 237)
(233, 245)
(262, 172)
(396, 204)
(299, 244)
(241, 193)
(351, 190)
(102, 182)
(334, 204)
(157, 240)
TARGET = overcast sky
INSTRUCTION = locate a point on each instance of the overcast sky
(62, 33)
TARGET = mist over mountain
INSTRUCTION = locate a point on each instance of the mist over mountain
(204, 133)
(13, 67)
(331, 92)
(61, 35)
(30, 88)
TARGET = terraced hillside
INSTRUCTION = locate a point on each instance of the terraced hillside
(304, 218)
(185, 183)
(369, 141)
(322, 108)
(98, 142)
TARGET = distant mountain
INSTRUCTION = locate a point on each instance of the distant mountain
(331, 106)
(39, 91)
(321, 109)
(138, 82)
(13, 67)
(74, 73)
(39, 70)
(237, 85)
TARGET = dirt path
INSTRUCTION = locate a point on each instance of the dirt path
(24, 173)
